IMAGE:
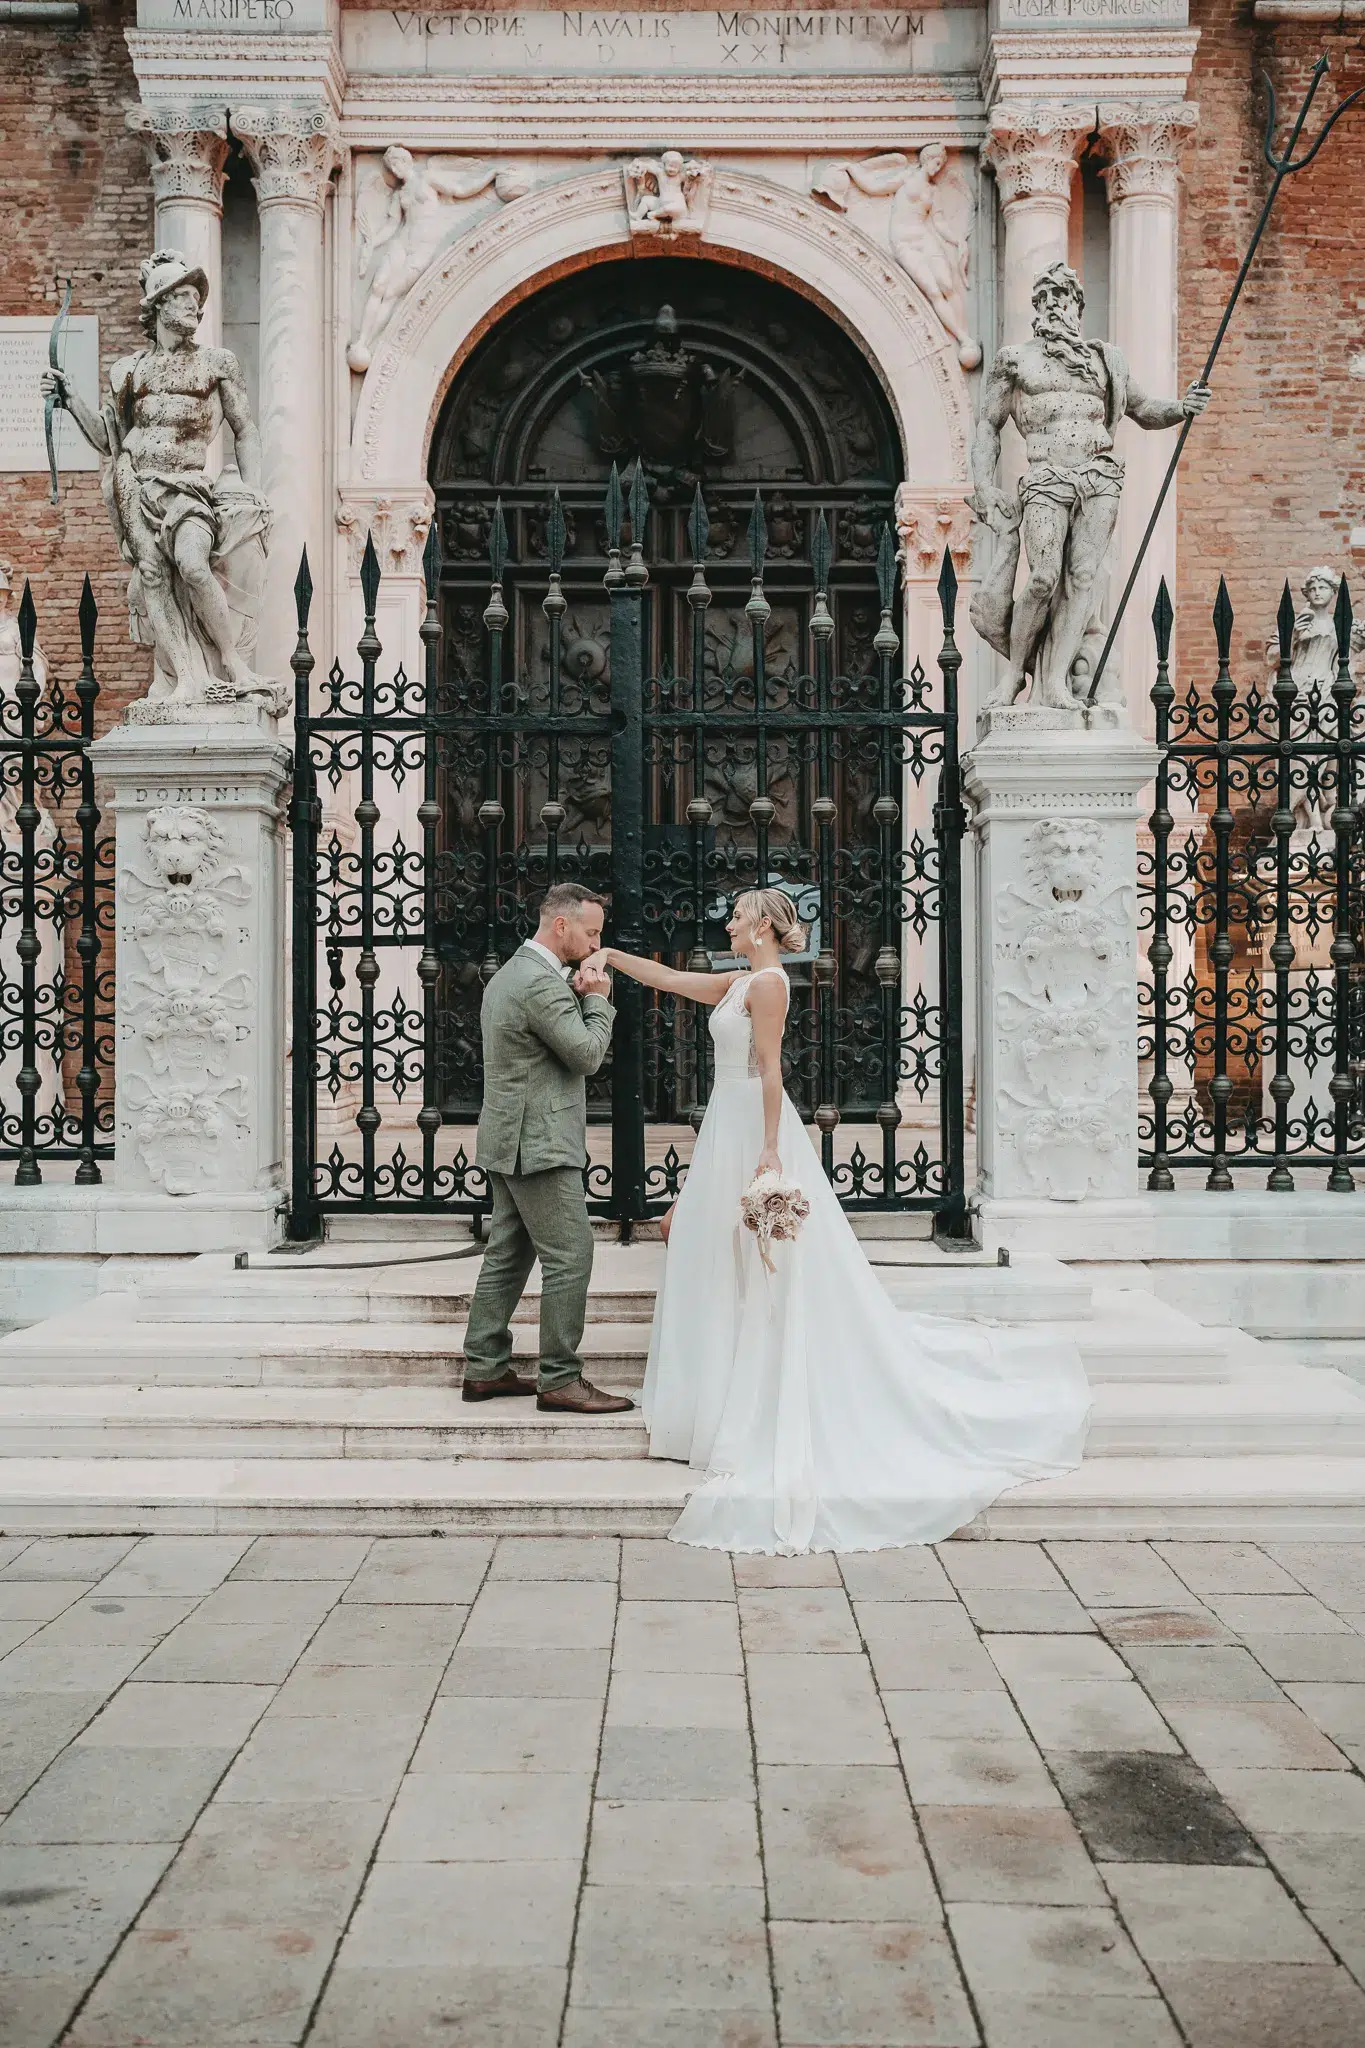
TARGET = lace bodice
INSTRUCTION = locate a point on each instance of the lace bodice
(732, 1032)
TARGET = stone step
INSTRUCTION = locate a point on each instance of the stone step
(582, 1497)
(1278, 1412)
(106, 1341)
(299, 1422)
(327, 1287)
(1284, 1412)
(1294, 1499)
(400, 1232)
(1251, 1499)
(1287, 1298)
(99, 1345)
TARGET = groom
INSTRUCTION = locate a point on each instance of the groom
(542, 1033)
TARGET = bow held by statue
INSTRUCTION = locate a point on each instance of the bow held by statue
(52, 401)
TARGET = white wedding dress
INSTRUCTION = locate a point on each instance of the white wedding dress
(823, 1417)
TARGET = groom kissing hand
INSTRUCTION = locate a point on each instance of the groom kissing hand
(592, 981)
(545, 1029)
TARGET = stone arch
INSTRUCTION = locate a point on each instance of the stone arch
(583, 219)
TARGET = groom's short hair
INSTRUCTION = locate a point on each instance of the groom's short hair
(567, 899)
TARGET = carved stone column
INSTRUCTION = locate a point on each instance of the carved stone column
(187, 147)
(199, 960)
(293, 150)
(1144, 142)
(1032, 148)
(1055, 818)
(927, 522)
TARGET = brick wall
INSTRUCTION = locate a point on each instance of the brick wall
(77, 201)
(1274, 477)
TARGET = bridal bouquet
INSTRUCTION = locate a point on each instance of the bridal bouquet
(773, 1208)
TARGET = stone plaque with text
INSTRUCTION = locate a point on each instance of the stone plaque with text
(23, 358)
(719, 42)
(1090, 13)
(244, 17)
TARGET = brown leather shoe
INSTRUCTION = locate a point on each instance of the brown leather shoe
(580, 1397)
(509, 1382)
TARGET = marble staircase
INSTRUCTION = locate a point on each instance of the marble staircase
(321, 1391)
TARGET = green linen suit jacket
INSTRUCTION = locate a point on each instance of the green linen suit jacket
(540, 1040)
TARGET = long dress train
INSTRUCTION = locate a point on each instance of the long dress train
(823, 1417)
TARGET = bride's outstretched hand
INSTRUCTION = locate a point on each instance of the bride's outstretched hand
(598, 962)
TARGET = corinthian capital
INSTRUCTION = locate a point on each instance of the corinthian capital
(293, 149)
(1144, 140)
(187, 148)
(1032, 148)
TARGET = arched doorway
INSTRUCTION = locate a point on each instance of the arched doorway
(729, 390)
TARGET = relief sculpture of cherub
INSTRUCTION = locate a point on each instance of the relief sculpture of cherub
(929, 230)
(667, 195)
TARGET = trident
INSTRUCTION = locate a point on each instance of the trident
(1283, 167)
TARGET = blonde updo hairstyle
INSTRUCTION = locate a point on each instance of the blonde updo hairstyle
(776, 907)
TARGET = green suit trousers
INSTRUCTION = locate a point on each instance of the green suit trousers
(535, 1216)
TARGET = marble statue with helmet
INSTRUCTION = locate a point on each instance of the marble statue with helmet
(1066, 395)
(195, 543)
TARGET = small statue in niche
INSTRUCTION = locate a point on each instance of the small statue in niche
(929, 231)
(1313, 664)
(189, 538)
(401, 221)
(1066, 395)
(11, 647)
(667, 195)
(1313, 649)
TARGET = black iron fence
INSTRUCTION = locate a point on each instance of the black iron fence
(1253, 1005)
(672, 777)
(56, 920)
(671, 765)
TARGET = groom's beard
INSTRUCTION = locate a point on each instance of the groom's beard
(1062, 339)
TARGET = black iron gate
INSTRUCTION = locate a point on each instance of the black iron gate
(430, 814)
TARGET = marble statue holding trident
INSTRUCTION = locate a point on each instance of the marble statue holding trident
(183, 533)
(1066, 395)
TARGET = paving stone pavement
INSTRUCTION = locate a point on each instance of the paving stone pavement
(573, 1793)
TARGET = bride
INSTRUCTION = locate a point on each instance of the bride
(822, 1417)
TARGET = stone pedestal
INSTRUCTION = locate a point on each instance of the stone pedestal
(1055, 821)
(199, 958)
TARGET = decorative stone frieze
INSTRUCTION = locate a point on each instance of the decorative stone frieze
(926, 525)
(1062, 928)
(1032, 148)
(518, 244)
(293, 146)
(187, 148)
(187, 1001)
(398, 520)
(1144, 140)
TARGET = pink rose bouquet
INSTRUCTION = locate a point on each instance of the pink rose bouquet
(774, 1209)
